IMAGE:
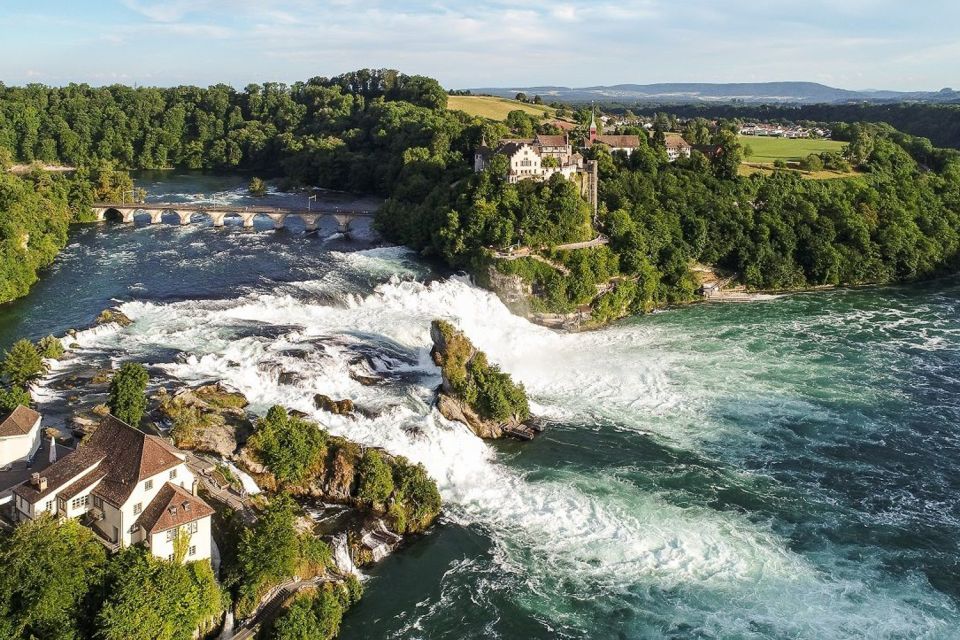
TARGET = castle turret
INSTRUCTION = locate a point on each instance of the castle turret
(593, 126)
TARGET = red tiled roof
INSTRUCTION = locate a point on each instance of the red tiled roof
(551, 141)
(19, 422)
(619, 142)
(77, 487)
(125, 455)
(171, 507)
(675, 141)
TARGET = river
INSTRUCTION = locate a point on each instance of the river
(780, 469)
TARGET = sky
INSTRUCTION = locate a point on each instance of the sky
(852, 44)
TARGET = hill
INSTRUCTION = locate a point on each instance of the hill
(706, 92)
(494, 108)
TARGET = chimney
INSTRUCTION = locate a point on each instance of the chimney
(38, 481)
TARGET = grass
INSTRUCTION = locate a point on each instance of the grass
(765, 150)
(493, 107)
(750, 169)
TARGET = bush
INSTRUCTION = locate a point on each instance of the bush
(376, 482)
(128, 393)
(257, 187)
(289, 446)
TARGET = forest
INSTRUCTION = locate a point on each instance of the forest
(382, 132)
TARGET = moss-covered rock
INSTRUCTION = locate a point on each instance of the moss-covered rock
(338, 407)
(474, 391)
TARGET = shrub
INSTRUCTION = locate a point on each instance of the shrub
(289, 446)
(376, 482)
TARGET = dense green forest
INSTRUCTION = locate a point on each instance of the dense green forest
(379, 131)
(35, 212)
(940, 123)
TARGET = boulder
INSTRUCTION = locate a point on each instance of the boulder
(339, 407)
(341, 475)
(115, 316)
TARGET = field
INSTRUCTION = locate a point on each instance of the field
(492, 107)
(766, 150)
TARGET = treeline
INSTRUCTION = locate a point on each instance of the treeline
(35, 212)
(940, 123)
(355, 131)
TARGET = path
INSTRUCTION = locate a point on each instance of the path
(268, 609)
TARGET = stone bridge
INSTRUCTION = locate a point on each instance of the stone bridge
(218, 213)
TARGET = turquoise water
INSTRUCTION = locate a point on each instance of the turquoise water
(781, 469)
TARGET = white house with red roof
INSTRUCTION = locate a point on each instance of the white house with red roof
(128, 487)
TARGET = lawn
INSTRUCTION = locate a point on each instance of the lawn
(766, 169)
(766, 149)
(494, 108)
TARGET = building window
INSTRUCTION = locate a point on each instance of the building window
(193, 550)
(137, 508)
(170, 558)
(48, 506)
(98, 502)
(171, 534)
(193, 527)
(173, 474)
(77, 503)
(148, 485)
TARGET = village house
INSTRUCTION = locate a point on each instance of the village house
(625, 143)
(676, 146)
(128, 487)
(19, 436)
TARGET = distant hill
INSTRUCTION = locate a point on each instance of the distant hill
(748, 92)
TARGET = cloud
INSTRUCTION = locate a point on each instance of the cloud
(497, 42)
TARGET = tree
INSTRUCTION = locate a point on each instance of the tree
(13, 397)
(128, 397)
(50, 347)
(22, 364)
(521, 97)
(376, 482)
(153, 599)
(257, 187)
(267, 553)
(49, 570)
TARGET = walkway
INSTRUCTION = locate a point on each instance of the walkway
(527, 252)
(270, 607)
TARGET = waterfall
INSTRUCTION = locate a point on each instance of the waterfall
(341, 555)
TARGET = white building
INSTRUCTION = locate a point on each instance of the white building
(128, 487)
(676, 146)
(525, 157)
(19, 436)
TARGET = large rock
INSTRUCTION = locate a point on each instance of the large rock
(341, 475)
(454, 354)
(326, 403)
(116, 316)
(222, 424)
(453, 409)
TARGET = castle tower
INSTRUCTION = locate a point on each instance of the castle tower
(593, 125)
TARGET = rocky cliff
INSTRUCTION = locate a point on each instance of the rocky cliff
(475, 392)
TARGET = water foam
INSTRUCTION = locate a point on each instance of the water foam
(571, 535)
